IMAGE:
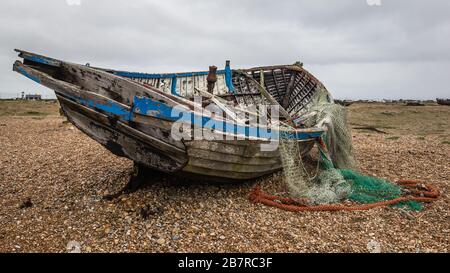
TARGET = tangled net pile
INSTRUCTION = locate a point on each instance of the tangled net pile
(296, 177)
(336, 179)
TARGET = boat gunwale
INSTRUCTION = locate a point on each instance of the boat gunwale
(130, 74)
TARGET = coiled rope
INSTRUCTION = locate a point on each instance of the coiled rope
(413, 191)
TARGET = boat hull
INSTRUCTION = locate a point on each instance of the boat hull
(133, 120)
(205, 160)
(235, 160)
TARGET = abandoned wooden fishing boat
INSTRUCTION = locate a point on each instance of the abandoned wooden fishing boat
(132, 114)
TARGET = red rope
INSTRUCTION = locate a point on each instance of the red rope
(416, 191)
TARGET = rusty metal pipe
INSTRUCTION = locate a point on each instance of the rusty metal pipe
(212, 78)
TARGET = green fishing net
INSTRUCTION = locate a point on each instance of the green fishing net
(366, 189)
(337, 179)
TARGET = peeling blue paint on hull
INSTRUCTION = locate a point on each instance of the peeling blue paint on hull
(146, 106)
(31, 77)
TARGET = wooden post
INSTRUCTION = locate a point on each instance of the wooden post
(212, 78)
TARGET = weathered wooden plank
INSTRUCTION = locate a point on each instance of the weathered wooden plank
(65, 89)
(120, 144)
(174, 152)
(212, 174)
(115, 87)
(289, 90)
(240, 150)
(269, 97)
(220, 156)
(221, 166)
(246, 149)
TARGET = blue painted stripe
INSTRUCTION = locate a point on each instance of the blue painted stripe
(161, 76)
(29, 76)
(40, 59)
(115, 109)
(110, 107)
(160, 110)
(153, 108)
(173, 87)
(228, 78)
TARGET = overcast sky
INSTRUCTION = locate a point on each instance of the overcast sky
(399, 49)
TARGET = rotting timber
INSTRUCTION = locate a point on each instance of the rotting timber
(130, 113)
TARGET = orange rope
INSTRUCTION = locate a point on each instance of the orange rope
(417, 191)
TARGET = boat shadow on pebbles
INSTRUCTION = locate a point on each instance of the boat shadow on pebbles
(143, 179)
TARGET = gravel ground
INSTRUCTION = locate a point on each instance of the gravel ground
(53, 177)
